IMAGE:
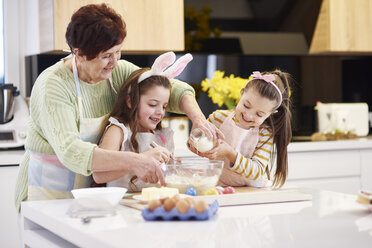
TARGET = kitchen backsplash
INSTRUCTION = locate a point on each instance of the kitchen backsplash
(312, 82)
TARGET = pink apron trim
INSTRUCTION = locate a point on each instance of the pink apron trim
(47, 158)
(162, 138)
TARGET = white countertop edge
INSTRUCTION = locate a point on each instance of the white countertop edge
(362, 143)
(13, 157)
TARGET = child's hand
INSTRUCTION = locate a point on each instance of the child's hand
(191, 147)
(220, 151)
(150, 170)
(160, 153)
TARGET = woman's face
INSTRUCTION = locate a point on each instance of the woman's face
(100, 68)
(151, 108)
(253, 109)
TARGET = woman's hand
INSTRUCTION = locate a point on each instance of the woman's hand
(210, 130)
(191, 108)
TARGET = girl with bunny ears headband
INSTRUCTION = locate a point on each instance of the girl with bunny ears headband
(135, 121)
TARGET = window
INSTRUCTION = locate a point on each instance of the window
(2, 51)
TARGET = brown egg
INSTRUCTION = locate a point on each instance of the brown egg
(153, 204)
(162, 200)
(182, 206)
(169, 204)
(200, 206)
(176, 197)
(190, 200)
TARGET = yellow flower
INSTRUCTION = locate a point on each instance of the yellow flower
(223, 89)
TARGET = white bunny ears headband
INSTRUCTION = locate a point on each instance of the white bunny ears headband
(159, 68)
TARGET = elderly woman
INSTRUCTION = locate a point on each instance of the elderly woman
(70, 100)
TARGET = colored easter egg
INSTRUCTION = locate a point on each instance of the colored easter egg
(229, 190)
(220, 192)
(220, 188)
(191, 191)
(211, 191)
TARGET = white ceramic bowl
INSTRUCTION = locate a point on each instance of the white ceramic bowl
(111, 194)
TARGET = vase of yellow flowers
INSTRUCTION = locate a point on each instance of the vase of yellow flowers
(224, 90)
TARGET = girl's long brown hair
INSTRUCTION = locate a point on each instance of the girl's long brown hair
(279, 121)
(126, 107)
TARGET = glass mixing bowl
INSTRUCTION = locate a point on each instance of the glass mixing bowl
(201, 174)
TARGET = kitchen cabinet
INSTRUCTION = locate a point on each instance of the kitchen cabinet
(343, 166)
(8, 214)
(366, 169)
(9, 161)
(152, 26)
(343, 26)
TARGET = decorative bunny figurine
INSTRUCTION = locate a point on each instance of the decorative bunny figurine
(159, 68)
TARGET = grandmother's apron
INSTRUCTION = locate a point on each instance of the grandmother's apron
(48, 178)
(243, 141)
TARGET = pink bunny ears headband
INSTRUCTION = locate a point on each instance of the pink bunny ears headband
(159, 68)
(269, 78)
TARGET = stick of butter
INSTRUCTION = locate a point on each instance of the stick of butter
(152, 193)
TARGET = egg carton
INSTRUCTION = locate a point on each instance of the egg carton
(160, 213)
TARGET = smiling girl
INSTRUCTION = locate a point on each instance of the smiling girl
(259, 127)
(135, 121)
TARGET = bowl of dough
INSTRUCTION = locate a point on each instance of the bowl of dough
(193, 173)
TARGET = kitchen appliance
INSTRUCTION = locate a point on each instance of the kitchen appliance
(7, 94)
(13, 120)
(343, 117)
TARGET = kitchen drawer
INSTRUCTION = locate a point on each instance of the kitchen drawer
(324, 164)
(9, 233)
(11, 157)
(366, 169)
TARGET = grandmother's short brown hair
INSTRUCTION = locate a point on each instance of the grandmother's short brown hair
(95, 28)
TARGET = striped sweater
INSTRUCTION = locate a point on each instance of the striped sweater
(252, 168)
(53, 126)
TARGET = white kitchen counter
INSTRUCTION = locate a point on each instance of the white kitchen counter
(309, 146)
(352, 144)
(330, 220)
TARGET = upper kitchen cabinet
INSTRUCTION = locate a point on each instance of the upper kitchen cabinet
(152, 25)
(343, 26)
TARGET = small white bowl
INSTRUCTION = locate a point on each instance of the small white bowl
(111, 194)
